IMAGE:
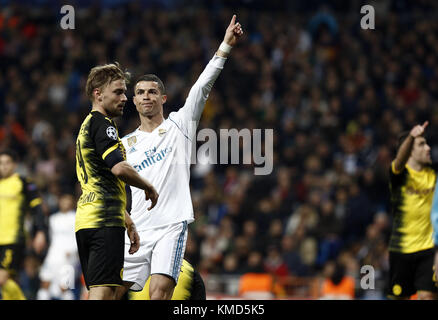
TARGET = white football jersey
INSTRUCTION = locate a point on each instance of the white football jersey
(62, 237)
(163, 157)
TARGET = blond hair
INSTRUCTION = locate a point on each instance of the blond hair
(100, 76)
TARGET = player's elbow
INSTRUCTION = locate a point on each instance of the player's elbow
(119, 169)
(398, 165)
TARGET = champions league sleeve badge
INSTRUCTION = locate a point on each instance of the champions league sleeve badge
(111, 132)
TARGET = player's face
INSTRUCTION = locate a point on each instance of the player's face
(7, 166)
(66, 203)
(421, 151)
(114, 98)
(148, 98)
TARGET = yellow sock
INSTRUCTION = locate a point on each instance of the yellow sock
(11, 291)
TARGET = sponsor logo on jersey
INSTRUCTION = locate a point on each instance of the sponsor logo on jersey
(150, 152)
(152, 157)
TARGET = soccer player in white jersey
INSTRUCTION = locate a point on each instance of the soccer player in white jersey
(62, 257)
(160, 149)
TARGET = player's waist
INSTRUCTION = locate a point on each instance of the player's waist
(166, 208)
(10, 237)
(148, 223)
(410, 249)
(10, 226)
(410, 244)
(93, 221)
(11, 208)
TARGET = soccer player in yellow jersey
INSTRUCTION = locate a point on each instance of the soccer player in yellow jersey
(17, 195)
(190, 286)
(102, 171)
(411, 254)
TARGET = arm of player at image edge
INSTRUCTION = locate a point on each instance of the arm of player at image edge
(405, 149)
(434, 220)
(199, 92)
(125, 172)
(40, 221)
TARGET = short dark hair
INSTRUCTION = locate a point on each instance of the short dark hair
(11, 153)
(153, 78)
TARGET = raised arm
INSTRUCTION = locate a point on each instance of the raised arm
(404, 151)
(232, 34)
(198, 94)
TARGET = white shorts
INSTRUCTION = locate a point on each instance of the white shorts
(161, 251)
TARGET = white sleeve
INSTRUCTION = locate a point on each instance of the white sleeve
(198, 95)
(51, 228)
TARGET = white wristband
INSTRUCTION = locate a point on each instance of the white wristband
(225, 47)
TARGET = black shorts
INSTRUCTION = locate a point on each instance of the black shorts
(411, 272)
(198, 287)
(11, 258)
(101, 252)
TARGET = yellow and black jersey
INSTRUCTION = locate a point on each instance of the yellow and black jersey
(98, 149)
(17, 196)
(190, 286)
(411, 202)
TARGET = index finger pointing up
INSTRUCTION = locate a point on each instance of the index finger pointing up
(233, 20)
(425, 124)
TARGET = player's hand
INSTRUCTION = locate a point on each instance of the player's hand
(233, 32)
(418, 130)
(435, 268)
(39, 242)
(133, 237)
(151, 194)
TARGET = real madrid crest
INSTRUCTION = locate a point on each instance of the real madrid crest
(132, 141)
(161, 132)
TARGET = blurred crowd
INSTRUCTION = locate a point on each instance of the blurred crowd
(335, 95)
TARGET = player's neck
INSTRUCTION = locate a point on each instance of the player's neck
(415, 165)
(8, 176)
(101, 109)
(149, 124)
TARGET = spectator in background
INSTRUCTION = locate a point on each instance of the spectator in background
(28, 276)
(273, 262)
(255, 282)
(230, 265)
(328, 233)
(292, 258)
(336, 284)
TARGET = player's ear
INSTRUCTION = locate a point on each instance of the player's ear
(134, 100)
(164, 98)
(97, 94)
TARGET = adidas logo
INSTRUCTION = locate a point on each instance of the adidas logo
(132, 150)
